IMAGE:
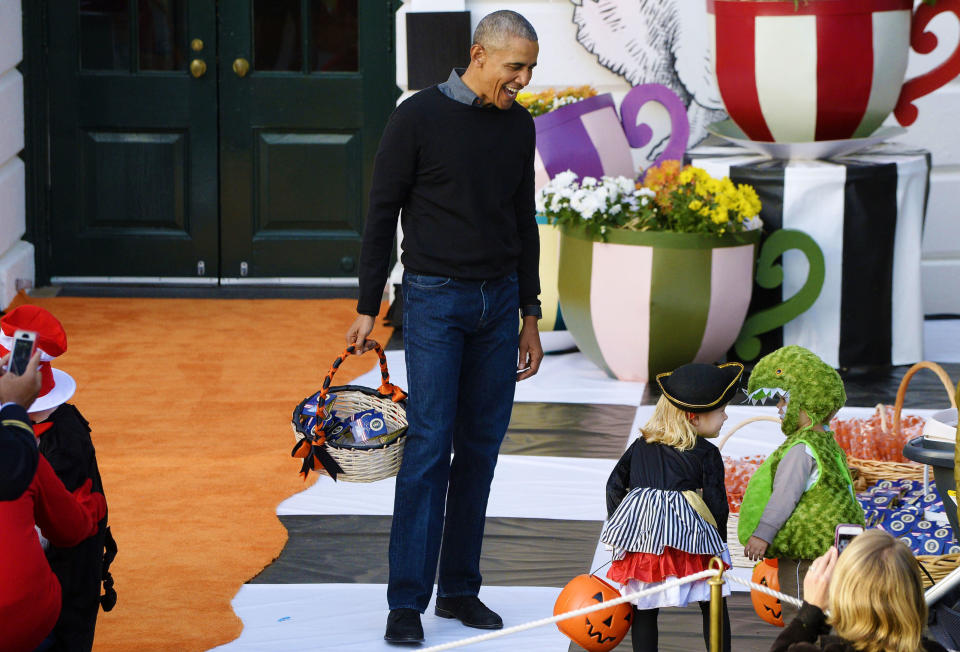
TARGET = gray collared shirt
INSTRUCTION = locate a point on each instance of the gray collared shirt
(455, 89)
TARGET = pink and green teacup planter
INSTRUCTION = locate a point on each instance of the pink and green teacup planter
(645, 302)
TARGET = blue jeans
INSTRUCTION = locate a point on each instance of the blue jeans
(460, 342)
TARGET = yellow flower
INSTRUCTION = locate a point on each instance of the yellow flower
(695, 205)
(719, 215)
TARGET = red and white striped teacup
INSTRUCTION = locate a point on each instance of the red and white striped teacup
(821, 69)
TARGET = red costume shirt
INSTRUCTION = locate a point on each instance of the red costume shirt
(29, 591)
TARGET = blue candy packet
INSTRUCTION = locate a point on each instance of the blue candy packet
(368, 425)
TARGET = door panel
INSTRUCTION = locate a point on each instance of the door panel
(298, 133)
(133, 139)
(258, 165)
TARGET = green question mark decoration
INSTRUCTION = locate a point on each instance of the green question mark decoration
(770, 275)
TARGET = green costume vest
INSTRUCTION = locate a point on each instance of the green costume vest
(809, 530)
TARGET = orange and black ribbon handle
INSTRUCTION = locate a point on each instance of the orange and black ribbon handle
(312, 447)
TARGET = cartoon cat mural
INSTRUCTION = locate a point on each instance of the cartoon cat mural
(656, 41)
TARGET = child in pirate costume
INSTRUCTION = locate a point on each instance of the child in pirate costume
(666, 501)
(63, 438)
(803, 490)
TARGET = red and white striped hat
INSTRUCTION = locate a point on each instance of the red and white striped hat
(56, 386)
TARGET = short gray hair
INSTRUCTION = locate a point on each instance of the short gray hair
(496, 28)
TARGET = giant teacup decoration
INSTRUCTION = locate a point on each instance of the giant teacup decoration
(589, 138)
(822, 69)
(642, 302)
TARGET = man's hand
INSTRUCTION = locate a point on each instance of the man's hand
(21, 390)
(357, 334)
(816, 584)
(531, 352)
(755, 549)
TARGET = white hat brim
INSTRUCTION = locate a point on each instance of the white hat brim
(63, 388)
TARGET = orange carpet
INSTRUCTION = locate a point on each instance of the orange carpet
(190, 404)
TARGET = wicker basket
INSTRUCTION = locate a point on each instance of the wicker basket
(938, 566)
(871, 471)
(344, 461)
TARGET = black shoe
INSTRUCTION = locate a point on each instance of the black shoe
(403, 626)
(468, 610)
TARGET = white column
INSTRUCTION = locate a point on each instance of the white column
(16, 256)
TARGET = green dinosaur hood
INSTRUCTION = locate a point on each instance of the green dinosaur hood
(803, 379)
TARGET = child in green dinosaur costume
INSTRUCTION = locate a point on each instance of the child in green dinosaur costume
(798, 496)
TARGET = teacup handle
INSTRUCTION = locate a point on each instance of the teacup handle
(640, 135)
(924, 43)
(770, 275)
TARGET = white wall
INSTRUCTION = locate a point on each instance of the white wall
(16, 256)
(564, 62)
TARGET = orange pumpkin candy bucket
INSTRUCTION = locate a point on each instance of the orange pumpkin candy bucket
(598, 631)
(767, 606)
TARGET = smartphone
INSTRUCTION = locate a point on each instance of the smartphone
(844, 534)
(24, 343)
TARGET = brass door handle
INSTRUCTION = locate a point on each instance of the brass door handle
(198, 68)
(241, 67)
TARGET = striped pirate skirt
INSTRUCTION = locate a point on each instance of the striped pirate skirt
(656, 536)
(650, 519)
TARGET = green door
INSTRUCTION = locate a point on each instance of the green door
(214, 141)
(299, 130)
(133, 139)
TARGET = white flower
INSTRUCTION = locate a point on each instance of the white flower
(624, 185)
(645, 192)
(541, 201)
(753, 223)
(615, 209)
(556, 203)
(644, 201)
(588, 182)
(565, 178)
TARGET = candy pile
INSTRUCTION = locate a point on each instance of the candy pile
(867, 439)
(899, 507)
(737, 472)
(364, 429)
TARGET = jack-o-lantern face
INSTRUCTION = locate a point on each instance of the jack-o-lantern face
(767, 606)
(598, 631)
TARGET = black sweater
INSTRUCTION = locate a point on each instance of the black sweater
(463, 176)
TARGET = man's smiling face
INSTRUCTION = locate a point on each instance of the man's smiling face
(503, 72)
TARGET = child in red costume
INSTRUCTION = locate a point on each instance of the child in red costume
(30, 596)
(64, 440)
(666, 501)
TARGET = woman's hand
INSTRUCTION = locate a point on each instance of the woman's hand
(816, 585)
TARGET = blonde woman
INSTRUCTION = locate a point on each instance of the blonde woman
(875, 597)
(666, 502)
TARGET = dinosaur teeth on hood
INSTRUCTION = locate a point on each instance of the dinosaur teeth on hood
(763, 393)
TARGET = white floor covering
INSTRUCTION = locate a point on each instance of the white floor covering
(347, 617)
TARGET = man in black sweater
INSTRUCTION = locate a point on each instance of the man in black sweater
(457, 159)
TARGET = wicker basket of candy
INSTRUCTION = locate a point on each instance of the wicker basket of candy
(874, 445)
(350, 432)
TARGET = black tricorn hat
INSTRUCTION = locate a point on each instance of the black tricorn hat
(699, 387)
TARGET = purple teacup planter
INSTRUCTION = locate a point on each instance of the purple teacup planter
(586, 137)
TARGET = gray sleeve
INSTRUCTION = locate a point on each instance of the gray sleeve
(788, 485)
